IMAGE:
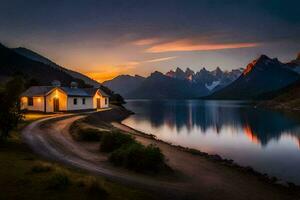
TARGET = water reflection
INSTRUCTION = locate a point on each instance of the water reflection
(264, 139)
(259, 125)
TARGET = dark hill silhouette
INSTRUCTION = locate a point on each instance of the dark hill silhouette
(12, 64)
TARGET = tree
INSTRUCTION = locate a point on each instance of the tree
(10, 114)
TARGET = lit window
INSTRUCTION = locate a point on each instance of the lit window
(30, 101)
(83, 101)
(75, 101)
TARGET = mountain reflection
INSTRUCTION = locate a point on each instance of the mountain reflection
(259, 125)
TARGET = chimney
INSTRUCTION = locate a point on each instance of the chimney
(56, 83)
(73, 84)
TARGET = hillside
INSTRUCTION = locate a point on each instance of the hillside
(123, 84)
(263, 75)
(11, 63)
(286, 98)
(37, 57)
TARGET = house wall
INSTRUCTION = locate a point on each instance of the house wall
(38, 104)
(23, 103)
(62, 100)
(79, 106)
(102, 101)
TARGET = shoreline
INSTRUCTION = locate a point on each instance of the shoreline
(117, 123)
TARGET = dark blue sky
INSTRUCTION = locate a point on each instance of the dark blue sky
(106, 38)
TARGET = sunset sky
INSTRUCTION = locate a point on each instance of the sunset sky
(106, 38)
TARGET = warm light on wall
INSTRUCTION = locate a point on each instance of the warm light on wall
(39, 99)
(56, 94)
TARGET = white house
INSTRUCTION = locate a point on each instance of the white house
(63, 99)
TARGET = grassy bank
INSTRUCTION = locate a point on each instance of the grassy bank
(24, 175)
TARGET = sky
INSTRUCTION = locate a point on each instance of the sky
(106, 38)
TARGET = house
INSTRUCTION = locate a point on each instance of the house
(63, 99)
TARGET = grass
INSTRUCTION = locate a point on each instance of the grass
(59, 179)
(41, 167)
(92, 186)
(25, 176)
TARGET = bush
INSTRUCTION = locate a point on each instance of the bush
(41, 167)
(137, 157)
(90, 134)
(85, 134)
(92, 186)
(114, 140)
(59, 180)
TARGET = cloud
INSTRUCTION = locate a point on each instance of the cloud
(188, 45)
(160, 59)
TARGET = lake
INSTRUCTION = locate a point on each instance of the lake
(267, 140)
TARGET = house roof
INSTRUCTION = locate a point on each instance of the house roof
(91, 91)
(74, 92)
(37, 91)
(103, 93)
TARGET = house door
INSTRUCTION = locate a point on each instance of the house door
(98, 103)
(55, 105)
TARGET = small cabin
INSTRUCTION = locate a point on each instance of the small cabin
(63, 99)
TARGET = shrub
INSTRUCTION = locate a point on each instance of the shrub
(59, 180)
(41, 167)
(90, 134)
(92, 186)
(114, 140)
(137, 157)
(85, 134)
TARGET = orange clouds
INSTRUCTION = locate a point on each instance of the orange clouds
(160, 59)
(188, 45)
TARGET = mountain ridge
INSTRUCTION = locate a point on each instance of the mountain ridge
(39, 58)
(190, 83)
(262, 75)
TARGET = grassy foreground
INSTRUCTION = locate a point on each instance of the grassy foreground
(24, 175)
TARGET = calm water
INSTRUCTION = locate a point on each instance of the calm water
(268, 141)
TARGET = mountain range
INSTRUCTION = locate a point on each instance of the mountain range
(261, 76)
(173, 84)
